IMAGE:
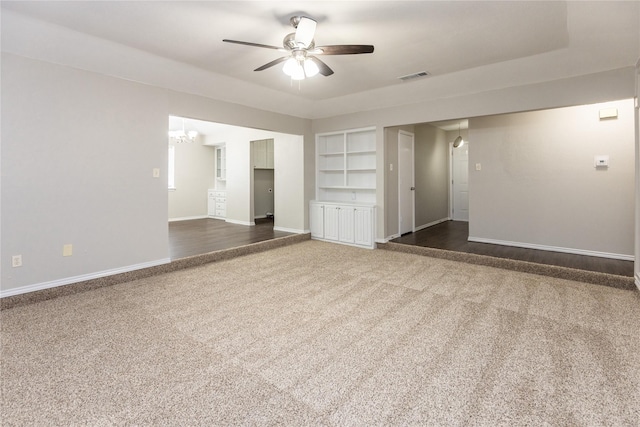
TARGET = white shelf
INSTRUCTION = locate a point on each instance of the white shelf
(362, 152)
(346, 166)
(345, 187)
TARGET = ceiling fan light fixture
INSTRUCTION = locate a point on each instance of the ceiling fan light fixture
(310, 68)
(290, 66)
(299, 69)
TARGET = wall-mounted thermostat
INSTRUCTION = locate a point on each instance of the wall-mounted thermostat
(601, 161)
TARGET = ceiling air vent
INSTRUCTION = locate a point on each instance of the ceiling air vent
(413, 76)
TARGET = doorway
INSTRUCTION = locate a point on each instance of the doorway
(263, 178)
(459, 182)
(406, 182)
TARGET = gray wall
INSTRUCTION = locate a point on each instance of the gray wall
(109, 206)
(194, 175)
(431, 175)
(538, 184)
(78, 152)
(585, 89)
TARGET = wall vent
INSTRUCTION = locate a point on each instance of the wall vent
(414, 76)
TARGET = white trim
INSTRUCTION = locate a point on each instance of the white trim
(188, 218)
(388, 238)
(81, 278)
(335, 132)
(553, 248)
(432, 223)
(259, 216)
(450, 156)
(638, 281)
(235, 221)
(289, 230)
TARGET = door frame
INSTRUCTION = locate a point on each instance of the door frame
(413, 183)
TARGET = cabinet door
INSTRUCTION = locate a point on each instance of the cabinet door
(211, 205)
(363, 226)
(269, 154)
(316, 220)
(345, 232)
(331, 222)
(260, 154)
(221, 163)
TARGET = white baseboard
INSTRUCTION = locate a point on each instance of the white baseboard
(553, 248)
(81, 278)
(388, 238)
(235, 221)
(188, 218)
(432, 223)
(289, 230)
(259, 216)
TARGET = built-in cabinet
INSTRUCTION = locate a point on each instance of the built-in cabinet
(263, 154)
(345, 223)
(344, 209)
(217, 204)
(221, 163)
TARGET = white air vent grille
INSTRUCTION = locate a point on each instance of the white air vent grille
(414, 76)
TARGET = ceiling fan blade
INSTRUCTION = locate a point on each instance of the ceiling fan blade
(305, 31)
(254, 44)
(272, 63)
(324, 68)
(343, 49)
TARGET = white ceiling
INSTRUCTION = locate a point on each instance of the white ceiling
(463, 45)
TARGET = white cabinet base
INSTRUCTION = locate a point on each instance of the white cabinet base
(217, 204)
(345, 223)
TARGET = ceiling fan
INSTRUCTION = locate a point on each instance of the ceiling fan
(301, 61)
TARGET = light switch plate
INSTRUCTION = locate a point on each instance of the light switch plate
(156, 172)
(601, 161)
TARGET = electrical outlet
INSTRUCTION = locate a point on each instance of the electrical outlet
(16, 261)
(67, 250)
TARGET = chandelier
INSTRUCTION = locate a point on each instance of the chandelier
(181, 135)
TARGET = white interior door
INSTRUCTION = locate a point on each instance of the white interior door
(406, 183)
(460, 182)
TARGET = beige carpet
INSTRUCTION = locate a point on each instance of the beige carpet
(322, 334)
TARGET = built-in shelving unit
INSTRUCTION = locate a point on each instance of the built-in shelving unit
(346, 166)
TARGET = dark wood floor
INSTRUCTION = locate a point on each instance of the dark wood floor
(201, 236)
(452, 235)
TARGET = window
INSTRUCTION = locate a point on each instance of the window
(172, 167)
